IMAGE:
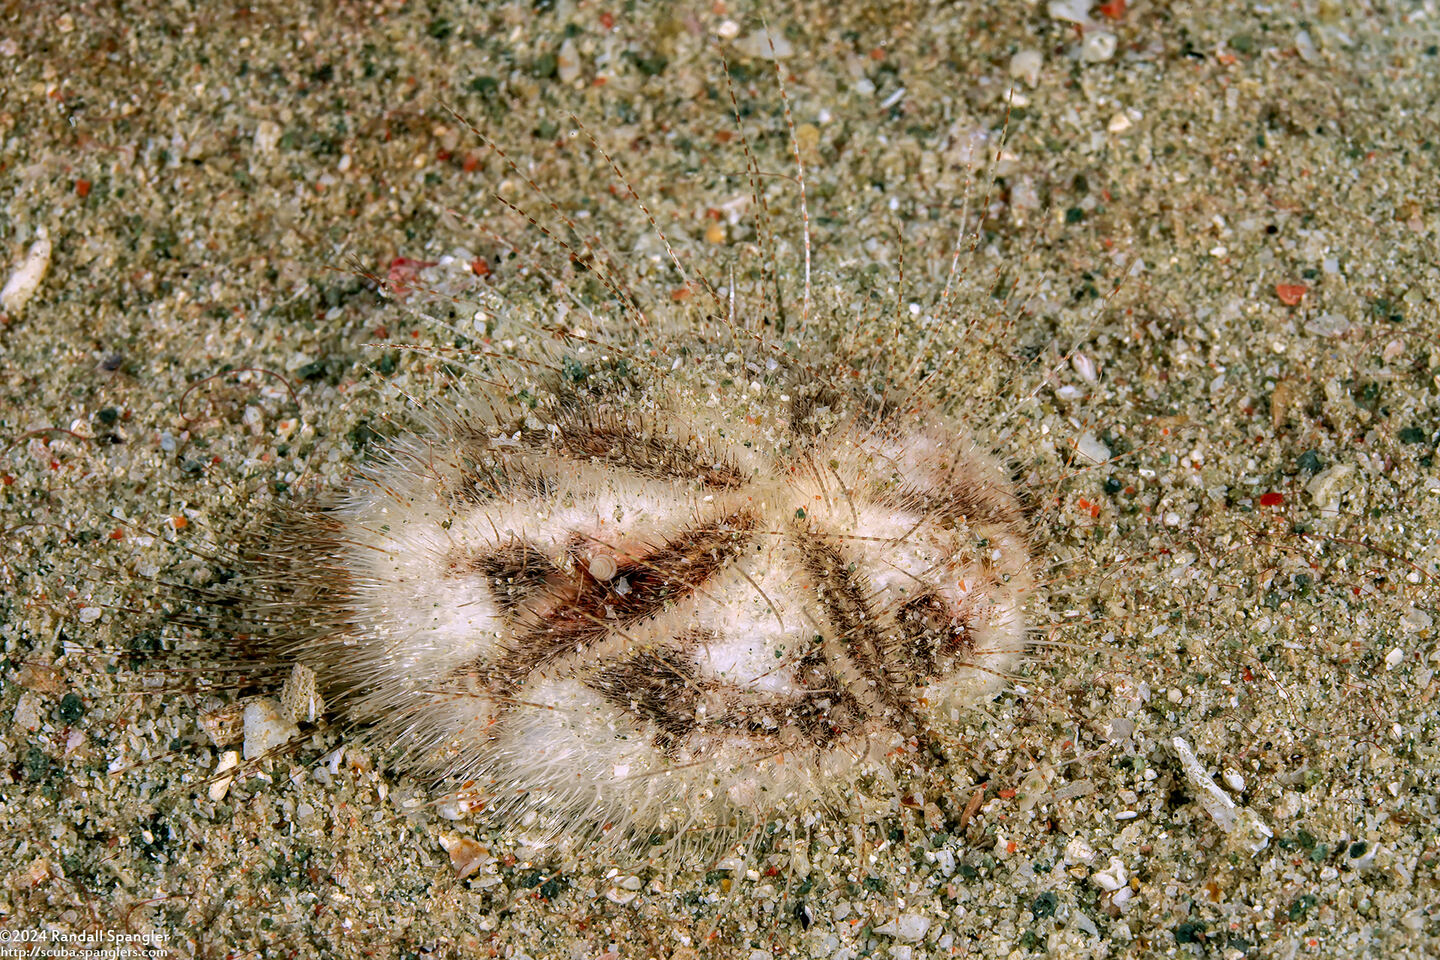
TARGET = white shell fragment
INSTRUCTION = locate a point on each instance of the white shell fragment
(27, 276)
(300, 702)
(1078, 851)
(1025, 65)
(466, 855)
(1327, 485)
(1098, 46)
(1246, 829)
(220, 786)
(266, 728)
(1113, 877)
(910, 927)
(1215, 801)
(1092, 448)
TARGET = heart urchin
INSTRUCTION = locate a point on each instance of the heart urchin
(663, 600)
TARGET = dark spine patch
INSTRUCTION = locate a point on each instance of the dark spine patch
(588, 609)
(514, 573)
(482, 481)
(933, 635)
(665, 688)
(661, 687)
(959, 502)
(649, 456)
(841, 593)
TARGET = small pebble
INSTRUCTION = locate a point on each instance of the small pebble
(466, 855)
(1361, 856)
(266, 728)
(799, 862)
(1098, 46)
(1287, 806)
(1326, 486)
(1305, 46)
(1090, 447)
(945, 859)
(908, 926)
(37, 873)
(43, 677)
(567, 62)
(1119, 729)
(1329, 325)
(267, 136)
(220, 786)
(1113, 877)
(1071, 11)
(1025, 196)
(27, 276)
(1414, 620)
(1025, 65)
(29, 711)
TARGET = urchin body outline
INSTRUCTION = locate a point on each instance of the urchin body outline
(646, 604)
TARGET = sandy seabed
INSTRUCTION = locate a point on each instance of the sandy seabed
(1233, 753)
